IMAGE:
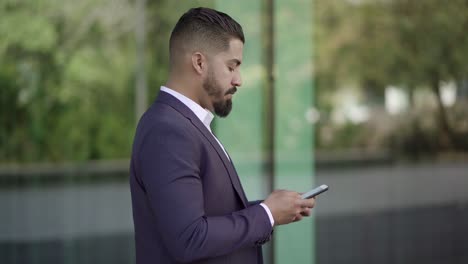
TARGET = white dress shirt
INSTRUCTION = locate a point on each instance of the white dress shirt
(206, 117)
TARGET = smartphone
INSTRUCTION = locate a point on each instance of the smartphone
(314, 192)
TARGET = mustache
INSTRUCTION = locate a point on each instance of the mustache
(232, 90)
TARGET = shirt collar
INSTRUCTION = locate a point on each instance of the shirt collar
(204, 115)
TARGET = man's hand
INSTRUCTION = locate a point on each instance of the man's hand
(288, 206)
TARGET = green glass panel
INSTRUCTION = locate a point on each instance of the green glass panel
(241, 132)
(293, 128)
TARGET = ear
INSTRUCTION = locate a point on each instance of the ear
(199, 62)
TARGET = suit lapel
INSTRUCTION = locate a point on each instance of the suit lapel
(184, 110)
(232, 171)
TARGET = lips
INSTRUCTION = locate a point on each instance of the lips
(231, 91)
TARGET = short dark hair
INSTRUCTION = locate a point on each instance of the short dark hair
(204, 28)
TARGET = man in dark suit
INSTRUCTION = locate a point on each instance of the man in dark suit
(188, 203)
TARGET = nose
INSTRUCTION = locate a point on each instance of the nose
(237, 80)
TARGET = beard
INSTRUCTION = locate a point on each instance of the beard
(222, 107)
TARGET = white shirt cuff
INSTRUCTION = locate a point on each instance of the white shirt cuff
(272, 221)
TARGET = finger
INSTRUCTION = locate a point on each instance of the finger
(308, 202)
(297, 218)
(305, 212)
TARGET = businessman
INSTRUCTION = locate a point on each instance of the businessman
(188, 203)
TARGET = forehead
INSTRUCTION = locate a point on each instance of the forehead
(234, 52)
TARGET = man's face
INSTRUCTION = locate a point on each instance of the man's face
(224, 77)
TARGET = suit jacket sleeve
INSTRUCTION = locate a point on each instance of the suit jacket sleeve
(251, 203)
(169, 165)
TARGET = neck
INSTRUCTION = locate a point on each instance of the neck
(184, 87)
(185, 81)
(188, 87)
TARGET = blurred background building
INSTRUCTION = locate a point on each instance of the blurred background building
(367, 96)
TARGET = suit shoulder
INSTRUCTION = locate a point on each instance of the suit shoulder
(161, 121)
(163, 116)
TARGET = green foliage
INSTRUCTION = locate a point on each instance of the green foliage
(67, 68)
(374, 44)
(392, 42)
(67, 76)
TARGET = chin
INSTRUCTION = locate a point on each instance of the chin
(223, 109)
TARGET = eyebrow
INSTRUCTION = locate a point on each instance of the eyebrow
(236, 61)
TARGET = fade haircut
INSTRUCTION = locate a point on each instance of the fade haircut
(203, 29)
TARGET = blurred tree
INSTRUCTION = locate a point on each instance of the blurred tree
(69, 68)
(410, 44)
(433, 46)
(67, 75)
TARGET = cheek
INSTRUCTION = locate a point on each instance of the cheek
(229, 76)
(224, 78)
(223, 72)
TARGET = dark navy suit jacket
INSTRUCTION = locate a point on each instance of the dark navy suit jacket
(188, 203)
